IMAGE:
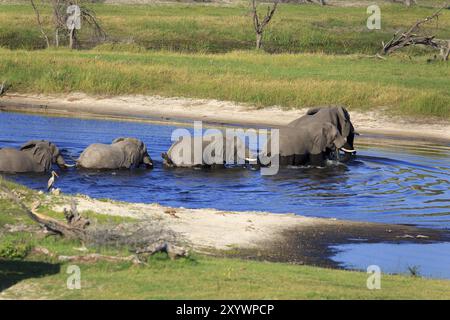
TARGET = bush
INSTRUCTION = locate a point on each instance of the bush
(14, 249)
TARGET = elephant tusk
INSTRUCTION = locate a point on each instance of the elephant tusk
(348, 150)
(250, 159)
(69, 165)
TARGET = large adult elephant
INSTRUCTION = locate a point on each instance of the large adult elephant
(337, 115)
(33, 156)
(122, 153)
(306, 144)
(207, 151)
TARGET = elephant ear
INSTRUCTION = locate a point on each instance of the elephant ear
(313, 111)
(327, 137)
(118, 140)
(344, 121)
(333, 137)
(40, 151)
(132, 155)
(29, 145)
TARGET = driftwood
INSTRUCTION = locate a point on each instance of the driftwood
(75, 228)
(259, 24)
(162, 246)
(410, 38)
(95, 257)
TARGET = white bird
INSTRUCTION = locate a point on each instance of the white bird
(3, 88)
(52, 180)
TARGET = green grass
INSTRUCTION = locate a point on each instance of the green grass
(402, 86)
(206, 28)
(24, 273)
(214, 278)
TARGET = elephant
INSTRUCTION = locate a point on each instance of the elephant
(306, 144)
(122, 153)
(216, 151)
(33, 156)
(338, 116)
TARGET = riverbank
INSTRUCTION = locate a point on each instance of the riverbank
(32, 268)
(157, 108)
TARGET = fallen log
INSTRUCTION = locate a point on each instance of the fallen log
(172, 251)
(95, 257)
(412, 38)
(74, 229)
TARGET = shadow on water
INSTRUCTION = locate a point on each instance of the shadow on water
(14, 271)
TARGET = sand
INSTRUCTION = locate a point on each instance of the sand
(250, 234)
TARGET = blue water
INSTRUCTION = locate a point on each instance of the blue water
(390, 181)
(429, 260)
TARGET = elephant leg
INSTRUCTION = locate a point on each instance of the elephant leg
(300, 159)
(317, 160)
(286, 160)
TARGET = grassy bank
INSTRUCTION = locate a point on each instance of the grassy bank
(402, 86)
(28, 273)
(215, 28)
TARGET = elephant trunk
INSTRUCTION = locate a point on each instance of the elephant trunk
(62, 164)
(147, 161)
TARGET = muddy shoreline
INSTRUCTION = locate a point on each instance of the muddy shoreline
(265, 236)
(184, 110)
(313, 245)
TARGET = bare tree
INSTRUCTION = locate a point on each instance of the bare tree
(412, 37)
(60, 15)
(39, 21)
(259, 24)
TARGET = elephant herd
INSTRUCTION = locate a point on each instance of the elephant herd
(311, 139)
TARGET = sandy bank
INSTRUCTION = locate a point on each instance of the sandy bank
(155, 108)
(256, 235)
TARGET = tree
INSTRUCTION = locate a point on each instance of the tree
(259, 24)
(60, 17)
(413, 37)
(39, 21)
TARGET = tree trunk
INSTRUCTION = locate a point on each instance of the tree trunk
(41, 27)
(57, 37)
(258, 41)
(71, 38)
(445, 51)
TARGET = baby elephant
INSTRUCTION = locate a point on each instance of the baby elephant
(122, 153)
(33, 156)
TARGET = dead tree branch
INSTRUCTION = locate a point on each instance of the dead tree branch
(4, 87)
(412, 38)
(162, 246)
(74, 229)
(38, 18)
(259, 24)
